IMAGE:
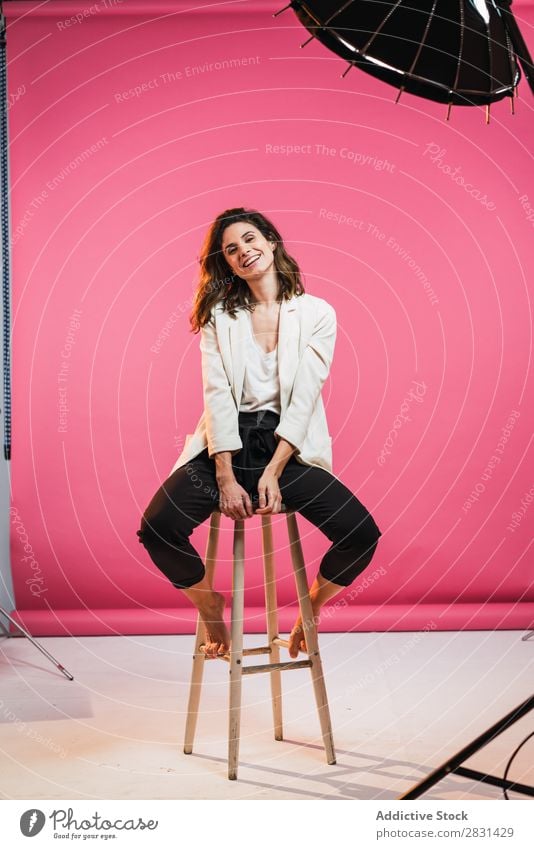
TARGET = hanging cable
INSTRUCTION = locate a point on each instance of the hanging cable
(509, 764)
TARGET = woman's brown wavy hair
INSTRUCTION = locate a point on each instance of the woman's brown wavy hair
(217, 281)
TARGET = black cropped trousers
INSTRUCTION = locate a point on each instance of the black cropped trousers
(189, 496)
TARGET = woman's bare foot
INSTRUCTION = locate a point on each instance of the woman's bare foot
(297, 641)
(320, 592)
(217, 634)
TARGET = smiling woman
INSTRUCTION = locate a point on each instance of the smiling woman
(267, 347)
(224, 272)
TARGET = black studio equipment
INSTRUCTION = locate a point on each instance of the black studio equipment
(462, 54)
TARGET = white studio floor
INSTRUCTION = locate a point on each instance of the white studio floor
(401, 703)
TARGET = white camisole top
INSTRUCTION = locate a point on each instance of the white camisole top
(261, 385)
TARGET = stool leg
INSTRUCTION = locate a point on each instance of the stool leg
(199, 657)
(271, 606)
(312, 642)
(236, 649)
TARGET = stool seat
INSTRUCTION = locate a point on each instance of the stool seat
(237, 651)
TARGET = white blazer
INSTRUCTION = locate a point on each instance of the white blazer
(306, 339)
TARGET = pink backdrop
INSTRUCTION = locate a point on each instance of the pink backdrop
(128, 135)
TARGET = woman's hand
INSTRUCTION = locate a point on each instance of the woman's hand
(269, 492)
(234, 501)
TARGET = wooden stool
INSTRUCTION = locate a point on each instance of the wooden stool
(237, 652)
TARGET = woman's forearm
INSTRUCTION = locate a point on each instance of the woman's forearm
(223, 466)
(223, 462)
(278, 461)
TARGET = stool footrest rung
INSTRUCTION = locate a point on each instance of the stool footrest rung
(255, 650)
(279, 642)
(258, 650)
(268, 667)
(271, 667)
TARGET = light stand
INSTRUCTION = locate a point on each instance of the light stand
(50, 657)
(453, 765)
